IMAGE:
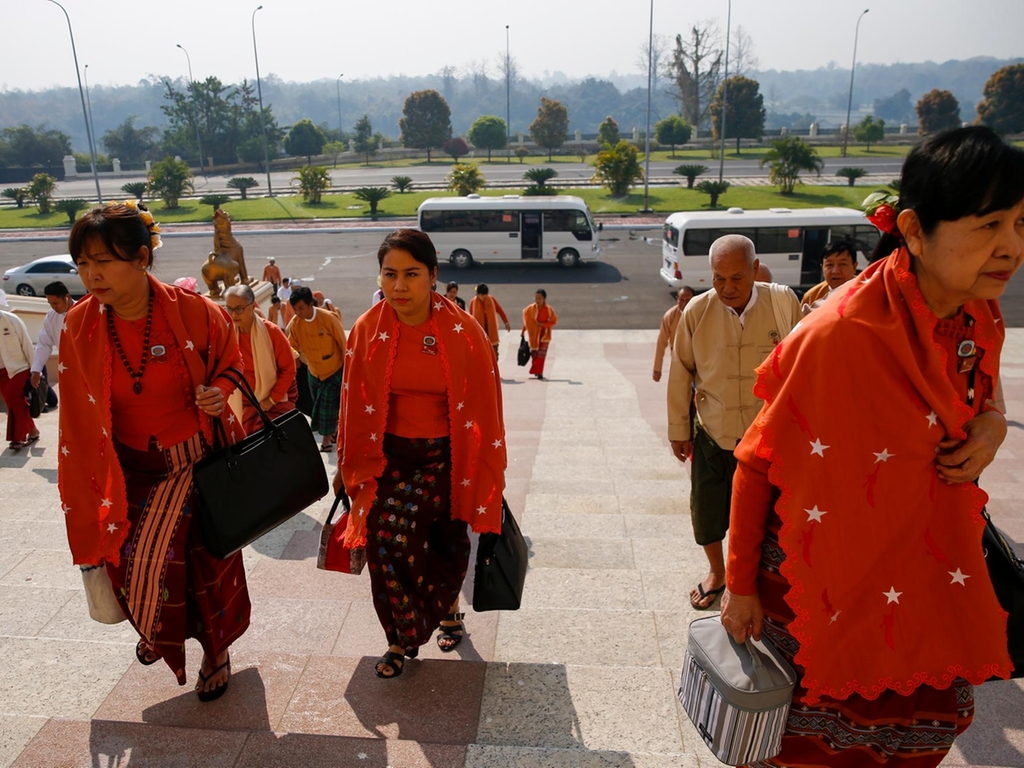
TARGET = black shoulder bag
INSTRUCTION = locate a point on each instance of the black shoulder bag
(501, 563)
(247, 489)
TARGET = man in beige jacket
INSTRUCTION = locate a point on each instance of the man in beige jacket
(667, 332)
(721, 338)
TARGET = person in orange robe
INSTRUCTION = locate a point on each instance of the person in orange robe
(856, 530)
(486, 310)
(141, 384)
(538, 320)
(421, 449)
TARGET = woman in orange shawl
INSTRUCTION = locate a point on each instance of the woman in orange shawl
(538, 320)
(140, 385)
(856, 522)
(421, 449)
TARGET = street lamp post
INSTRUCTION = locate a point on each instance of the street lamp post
(88, 100)
(508, 100)
(259, 92)
(853, 67)
(647, 130)
(85, 113)
(195, 111)
(725, 98)
(338, 83)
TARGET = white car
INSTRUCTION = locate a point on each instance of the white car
(31, 279)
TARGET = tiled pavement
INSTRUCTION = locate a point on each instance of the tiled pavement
(584, 675)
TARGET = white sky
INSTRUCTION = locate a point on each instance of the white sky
(304, 40)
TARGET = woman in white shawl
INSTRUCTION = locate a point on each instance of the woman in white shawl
(269, 360)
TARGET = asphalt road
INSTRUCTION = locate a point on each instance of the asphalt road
(380, 174)
(622, 290)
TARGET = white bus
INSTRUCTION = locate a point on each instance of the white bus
(789, 242)
(475, 228)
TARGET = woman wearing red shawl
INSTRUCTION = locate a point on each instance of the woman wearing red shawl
(421, 448)
(538, 320)
(140, 367)
(856, 525)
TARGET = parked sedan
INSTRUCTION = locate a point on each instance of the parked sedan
(31, 279)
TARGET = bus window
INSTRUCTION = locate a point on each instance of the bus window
(866, 236)
(432, 221)
(568, 221)
(499, 221)
(697, 242)
(671, 235)
(777, 240)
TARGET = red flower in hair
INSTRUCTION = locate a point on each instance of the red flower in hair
(881, 209)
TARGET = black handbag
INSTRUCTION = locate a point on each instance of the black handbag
(36, 397)
(523, 356)
(501, 563)
(247, 489)
(1006, 571)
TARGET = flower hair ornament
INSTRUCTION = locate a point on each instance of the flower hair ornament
(147, 219)
(881, 209)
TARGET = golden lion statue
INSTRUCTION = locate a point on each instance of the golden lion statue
(225, 265)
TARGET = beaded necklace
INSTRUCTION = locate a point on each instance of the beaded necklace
(136, 375)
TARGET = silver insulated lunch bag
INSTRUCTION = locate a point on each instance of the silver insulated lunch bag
(737, 696)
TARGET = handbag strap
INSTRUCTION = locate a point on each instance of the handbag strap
(235, 377)
(761, 675)
(341, 498)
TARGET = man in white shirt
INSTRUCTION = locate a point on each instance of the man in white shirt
(59, 298)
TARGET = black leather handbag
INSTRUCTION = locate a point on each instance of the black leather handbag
(1006, 571)
(247, 489)
(523, 356)
(36, 397)
(501, 563)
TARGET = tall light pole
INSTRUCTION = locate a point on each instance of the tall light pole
(85, 113)
(195, 110)
(259, 92)
(508, 100)
(647, 131)
(725, 98)
(88, 101)
(338, 83)
(853, 67)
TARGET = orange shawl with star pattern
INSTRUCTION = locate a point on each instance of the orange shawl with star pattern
(476, 427)
(888, 580)
(91, 481)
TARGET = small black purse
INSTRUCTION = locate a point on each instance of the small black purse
(1006, 571)
(523, 356)
(247, 489)
(501, 563)
(36, 397)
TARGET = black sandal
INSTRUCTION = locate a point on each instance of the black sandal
(216, 693)
(145, 654)
(412, 653)
(390, 661)
(447, 640)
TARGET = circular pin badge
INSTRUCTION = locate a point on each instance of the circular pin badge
(429, 341)
(158, 351)
(965, 349)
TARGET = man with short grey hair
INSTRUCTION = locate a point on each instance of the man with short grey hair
(722, 337)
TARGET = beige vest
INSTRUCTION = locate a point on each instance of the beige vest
(714, 352)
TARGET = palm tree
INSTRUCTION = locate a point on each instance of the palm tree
(691, 172)
(402, 183)
(714, 189)
(787, 157)
(70, 207)
(851, 174)
(540, 178)
(136, 188)
(372, 195)
(313, 181)
(465, 179)
(242, 184)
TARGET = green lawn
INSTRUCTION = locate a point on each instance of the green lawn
(661, 199)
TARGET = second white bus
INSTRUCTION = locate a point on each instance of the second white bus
(474, 228)
(789, 242)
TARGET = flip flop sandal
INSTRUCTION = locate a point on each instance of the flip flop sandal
(30, 439)
(447, 640)
(216, 693)
(390, 661)
(16, 446)
(712, 593)
(145, 654)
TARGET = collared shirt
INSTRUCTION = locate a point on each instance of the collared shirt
(49, 339)
(746, 309)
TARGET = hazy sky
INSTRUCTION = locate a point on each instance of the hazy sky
(302, 40)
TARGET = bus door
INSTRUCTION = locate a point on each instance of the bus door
(815, 240)
(531, 235)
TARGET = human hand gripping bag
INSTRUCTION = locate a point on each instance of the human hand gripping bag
(737, 696)
(333, 554)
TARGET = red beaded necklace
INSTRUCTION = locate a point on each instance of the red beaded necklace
(136, 375)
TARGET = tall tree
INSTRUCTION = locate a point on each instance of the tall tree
(658, 54)
(426, 122)
(673, 130)
(35, 146)
(937, 111)
(742, 59)
(488, 132)
(131, 144)
(305, 139)
(696, 66)
(869, 131)
(744, 110)
(1002, 109)
(608, 132)
(551, 128)
(364, 140)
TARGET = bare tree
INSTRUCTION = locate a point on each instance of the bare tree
(696, 70)
(659, 60)
(742, 59)
(477, 72)
(513, 68)
(448, 77)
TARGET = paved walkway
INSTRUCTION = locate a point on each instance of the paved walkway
(583, 676)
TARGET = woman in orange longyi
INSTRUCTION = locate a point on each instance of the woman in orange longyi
(856, 526)
(140, 385)
(538, 320)
(421, 448)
